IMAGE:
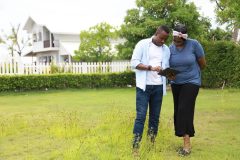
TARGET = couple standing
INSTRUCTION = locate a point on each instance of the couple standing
(149, 57)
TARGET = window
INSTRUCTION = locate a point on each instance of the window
(34, 37)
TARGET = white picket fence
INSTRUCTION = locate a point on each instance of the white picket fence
(14, 68)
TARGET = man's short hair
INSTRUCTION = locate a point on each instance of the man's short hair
(163, 28)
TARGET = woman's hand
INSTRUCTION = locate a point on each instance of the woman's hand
(171, 76)
(202, 63)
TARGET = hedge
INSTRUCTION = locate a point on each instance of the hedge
(61, 81)
(223, 64)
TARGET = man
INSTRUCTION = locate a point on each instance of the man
(149, 57)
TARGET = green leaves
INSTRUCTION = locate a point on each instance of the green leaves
(223, 64)
(61, 81)
(96, 44)
(228, 12)
(142, 22)
(2, 41)
(219, 34)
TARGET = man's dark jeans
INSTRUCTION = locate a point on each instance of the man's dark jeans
(152, 96)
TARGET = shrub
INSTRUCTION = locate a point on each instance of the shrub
(60, 81)
(223, 64)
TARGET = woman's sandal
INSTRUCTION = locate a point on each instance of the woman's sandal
(184, 152)
(178, 149)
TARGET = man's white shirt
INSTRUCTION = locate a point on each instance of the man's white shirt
(155, 59)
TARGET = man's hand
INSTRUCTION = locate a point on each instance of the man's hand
(157, 68)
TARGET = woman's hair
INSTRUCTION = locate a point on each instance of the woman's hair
(180, 28)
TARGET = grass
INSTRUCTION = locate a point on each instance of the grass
(96, 124)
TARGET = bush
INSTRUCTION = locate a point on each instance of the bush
(60, 81)
(223, 64)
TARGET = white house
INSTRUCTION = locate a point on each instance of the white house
(49, 45)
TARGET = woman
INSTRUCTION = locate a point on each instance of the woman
(187, 56)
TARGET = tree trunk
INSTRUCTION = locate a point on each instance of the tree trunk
(235, 33)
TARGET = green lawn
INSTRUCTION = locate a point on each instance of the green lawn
(96, 124)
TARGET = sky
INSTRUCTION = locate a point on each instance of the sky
(75, 15)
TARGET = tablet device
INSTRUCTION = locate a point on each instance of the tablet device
(168, 71)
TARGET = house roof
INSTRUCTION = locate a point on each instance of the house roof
(32, 53)
(54, 26)
(65, 48)
(58, 25)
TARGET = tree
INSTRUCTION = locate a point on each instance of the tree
(14, 41)
(228, 12)
(95, 44)
(142, 22)
(219, 34)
